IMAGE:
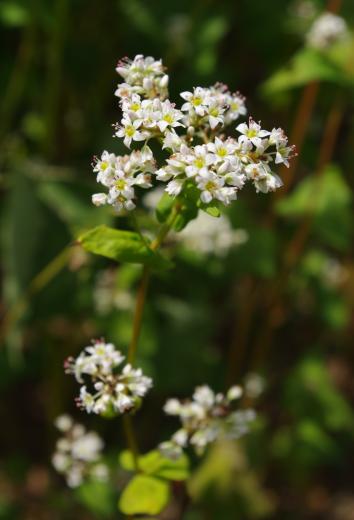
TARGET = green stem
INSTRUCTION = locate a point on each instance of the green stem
(144, 282)
(137, 322)
(131, 440)
(138, 314)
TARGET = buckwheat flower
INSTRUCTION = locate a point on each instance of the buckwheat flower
(199, 160)
(236, 107)
(129, 130)
(143, 75)
(169, 116)
(105, 167)
(205, 418)
(268, 182)
(172, 141)
(209, 184)
(196, 101)
(327, 29)
(222, 150)
(252, 132)
(99, 199)
(109, 389)
(215, 115)
(78, 453)
(174, 187)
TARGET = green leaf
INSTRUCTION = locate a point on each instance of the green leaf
(122, 246)
(212, 208)
(98, 497)
(144, 495)
(153, 463)
(306, 66)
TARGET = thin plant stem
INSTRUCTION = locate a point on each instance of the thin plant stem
(131, 439)
(137, 324)
(144, 282)
(138, 314)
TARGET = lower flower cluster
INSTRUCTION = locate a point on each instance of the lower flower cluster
(205, 418)
(78, 453)
(113, 391)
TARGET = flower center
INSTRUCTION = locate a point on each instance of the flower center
(199, 163)
(210, 185)
(168, 118)
(129, 131)
(120, 184)
(197, 101)
(251, 133)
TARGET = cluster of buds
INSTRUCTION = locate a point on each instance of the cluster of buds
(212, 107)
(114, 391)
(145, 76)
(205, 418)
(78, 453)
(326, 30)
(200, 153)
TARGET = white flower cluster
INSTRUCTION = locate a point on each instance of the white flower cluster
(114, 391)
(145, 76)
(206, 418)
(212, 106)
(211, 236)
(220, 168)
(120, 174)
(78, 453)
(327, 29)
(199, 154)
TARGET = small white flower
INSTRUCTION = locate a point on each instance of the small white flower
(235, 392)
(172, 141)
(99, 199)
(172, 407)
(252, 132)
(204, 419)
(174, 187)
(129, 130)
(326, 30)
(196, 101)
(209, 184)
(78, 453)
(63, 422)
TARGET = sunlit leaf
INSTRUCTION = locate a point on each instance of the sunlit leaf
(153, 463)
(144, 495)
(122, 246)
